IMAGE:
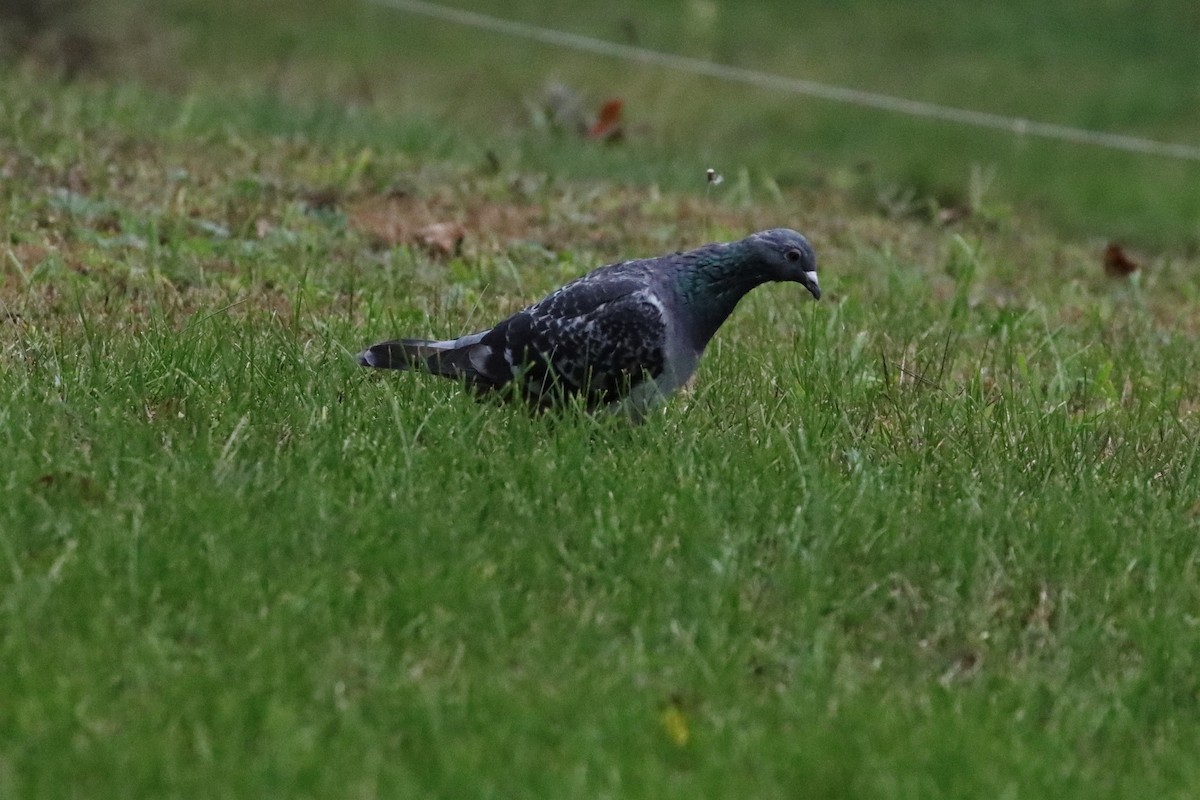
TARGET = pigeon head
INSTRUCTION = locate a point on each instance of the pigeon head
(785, 255)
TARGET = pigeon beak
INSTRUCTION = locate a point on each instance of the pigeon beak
(810, 283)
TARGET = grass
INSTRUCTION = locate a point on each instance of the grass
(1089, 64)
(935, 536)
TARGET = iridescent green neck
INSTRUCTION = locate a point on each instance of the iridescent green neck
(712, 284)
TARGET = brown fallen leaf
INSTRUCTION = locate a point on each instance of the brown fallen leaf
(1117, 263)
(441, 238)
(607, 127)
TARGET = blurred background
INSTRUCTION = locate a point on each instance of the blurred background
(409, 81)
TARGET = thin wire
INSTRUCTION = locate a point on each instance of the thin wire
(766, 80)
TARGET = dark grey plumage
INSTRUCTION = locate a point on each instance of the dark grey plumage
(625, 335)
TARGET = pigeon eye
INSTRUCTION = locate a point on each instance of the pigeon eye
(792, 255)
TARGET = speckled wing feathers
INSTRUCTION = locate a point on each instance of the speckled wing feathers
(598, 336)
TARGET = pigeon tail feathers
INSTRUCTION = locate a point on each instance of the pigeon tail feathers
(406, 354)
(463, 358)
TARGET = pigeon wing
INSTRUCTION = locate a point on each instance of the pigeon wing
(598, 336)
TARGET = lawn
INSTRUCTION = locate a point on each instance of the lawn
(1093, 64)
(937, 535)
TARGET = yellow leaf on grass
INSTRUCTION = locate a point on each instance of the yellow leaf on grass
(675, 724)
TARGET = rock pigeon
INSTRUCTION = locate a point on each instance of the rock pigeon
(623, 337)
